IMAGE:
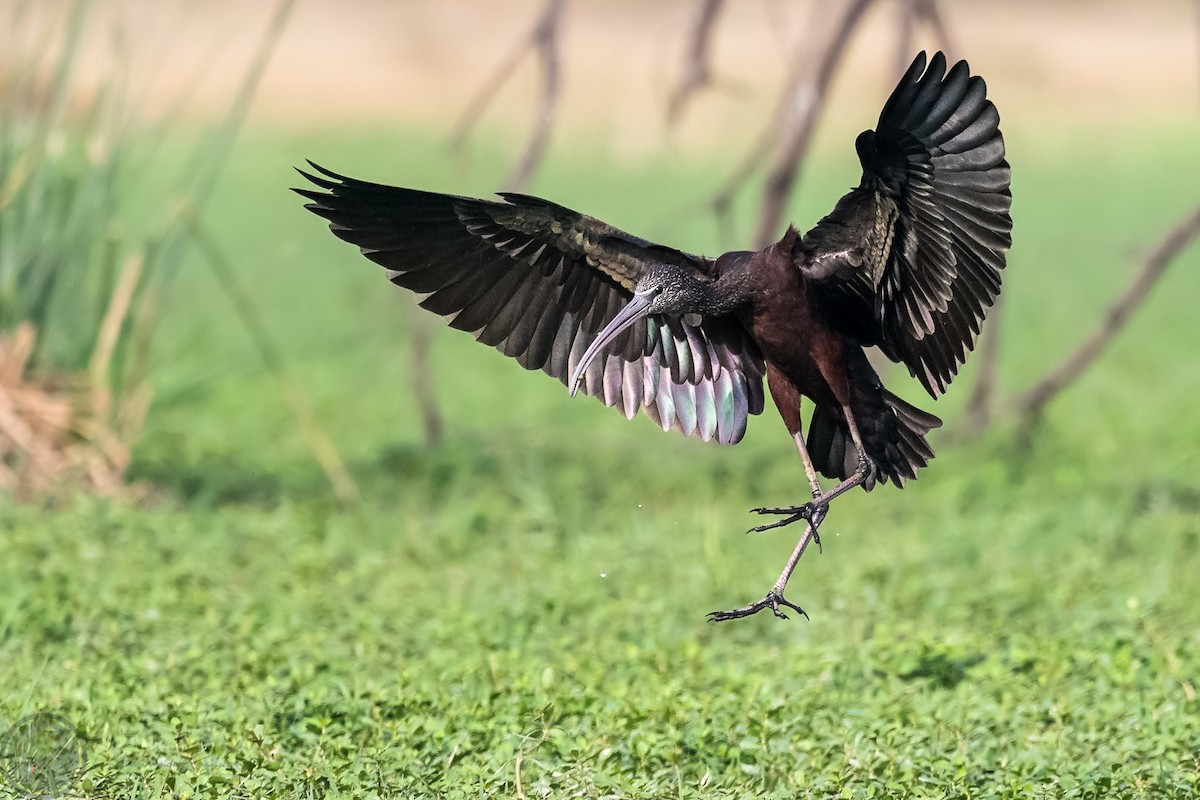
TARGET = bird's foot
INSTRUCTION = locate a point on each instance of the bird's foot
(773, 601)
(813, 512)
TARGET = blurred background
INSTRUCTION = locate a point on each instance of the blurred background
(155, 96)
(371, 547)
(418, 64)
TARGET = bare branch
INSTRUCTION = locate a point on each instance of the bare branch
(981, 402)
(1032, 404)
(927, 11)
(911, 13)
(786, 126)
(805, 108)
(722, 200)
(906, 27)
(696, 72)
(479, 103)
(544, 39)
(422, 378)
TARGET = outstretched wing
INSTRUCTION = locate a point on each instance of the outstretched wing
(538, 281)
(910, 260)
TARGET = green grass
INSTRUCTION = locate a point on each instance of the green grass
(529, 599)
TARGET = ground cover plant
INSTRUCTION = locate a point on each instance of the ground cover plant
(520, 612)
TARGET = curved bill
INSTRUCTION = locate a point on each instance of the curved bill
(637, 309)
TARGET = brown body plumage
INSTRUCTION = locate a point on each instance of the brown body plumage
(909, 262)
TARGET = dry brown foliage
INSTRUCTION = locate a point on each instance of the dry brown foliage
(68, 432)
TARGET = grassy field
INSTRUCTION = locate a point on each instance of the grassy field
(520, 612)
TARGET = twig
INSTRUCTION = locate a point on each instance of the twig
(696, 72)
(806, 106)
(543, 38)
(1032, 403)
(321, 445)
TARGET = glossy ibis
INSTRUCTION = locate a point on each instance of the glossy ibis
(909, 261)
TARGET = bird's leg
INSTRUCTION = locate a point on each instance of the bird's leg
(821, 500)
(814, 514)
(810, 469)
(814, 483)
(775, 598)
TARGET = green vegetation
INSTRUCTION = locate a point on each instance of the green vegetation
(521, 612)
(81, 266)
(61, 166)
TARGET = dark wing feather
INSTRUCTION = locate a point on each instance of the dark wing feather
(910, 260)
(538, 282)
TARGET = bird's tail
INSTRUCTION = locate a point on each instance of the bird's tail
(893, 433)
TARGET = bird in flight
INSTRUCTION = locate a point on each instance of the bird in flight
(908, 262)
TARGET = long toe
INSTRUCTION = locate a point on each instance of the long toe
(780, 600)
(806, 511)
(777, 524)
(772, 601)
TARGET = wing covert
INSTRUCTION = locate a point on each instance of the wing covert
(538, 282)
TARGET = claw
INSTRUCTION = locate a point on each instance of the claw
(772, 601)
(812, 512)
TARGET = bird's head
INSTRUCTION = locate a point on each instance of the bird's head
(663, 289)
(668, 289)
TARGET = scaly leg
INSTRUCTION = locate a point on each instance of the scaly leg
(821, 501)
(814, 483)
(775, 598)
(814, 514)
(787, 399)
